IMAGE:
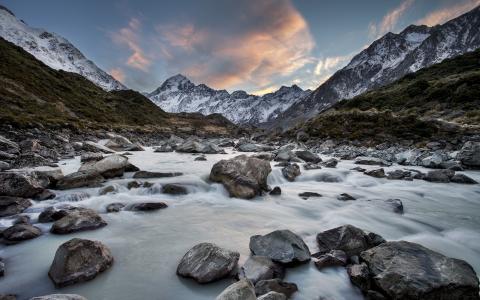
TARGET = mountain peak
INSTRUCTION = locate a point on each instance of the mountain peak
(7, 10)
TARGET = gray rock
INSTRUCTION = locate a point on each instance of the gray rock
(285, 155)
(20, 232)
(8, 146)
(109, 189)
(7, 156)
(91, 156)
(148, 174)
(95, 147)
(462, 178)
(242, 176)
(258, 268)
(306, 195)
(24, 219)
(2, 268)
(404, 270)
(59, 297)
(359, 276)
(249, 147)
(396, 205)
(163, 148)
(377, 173)
(109, 167)
(276, 191)
(398, 175)
(240, 290)
(79, 260)
(433, 161)
(291, 172)
(53, 174)
(4, 166)
(275, 285)
(147, 206)
(330, 163)
(282, 246)
(80, 179)
(441, 176)
(272, 296)
(114, 207)
(469, 155)
(200, 158)
(207, 262)
(45, 195)
(308, 156)
(371, 161)
(50, 214)
(10, 206)
(334, 258)
(310, 166)
(78, 219)
(345, 197)
(131, 168)
(265, 156)
(174, 189)
(17, 184)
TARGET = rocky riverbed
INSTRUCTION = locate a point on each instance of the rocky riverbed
(146, 221)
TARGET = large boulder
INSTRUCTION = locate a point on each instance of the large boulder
(95, 147)
(258, 268)
(117, 142)
(109, 167)
(59, 297)
(243, 176)
(80, 179)
(78, 219)
(469, 155)
(190, 146)
(282, 246)
(20, 232)
(19, 184)
(79, 260)
(147, 206)
(10, 206)
(348, 238)
(441, 176)
(291, 172)
(404, 270)
(207, 262)
(53, 174)
(8, 146)
(308, 156)
(240, 290)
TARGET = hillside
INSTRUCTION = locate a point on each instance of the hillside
(33, 93)
(441, 101)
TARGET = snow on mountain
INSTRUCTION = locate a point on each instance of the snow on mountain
(53, 50)
(386, 60)
(179, 94)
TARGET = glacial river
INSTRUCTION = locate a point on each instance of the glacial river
(148, 246)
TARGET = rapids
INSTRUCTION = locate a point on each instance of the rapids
(148, 246)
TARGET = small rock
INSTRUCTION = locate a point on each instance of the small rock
(133, 185)
(359, 276)
(276, 191)
(309, 166)
(147, 174)
(396, 205)
(22, 220)
(330, 163)
(398, 174)
(308, 156)
(114, 207)
(291, 172)
(200, 158)
(50, 214)
(306, 195)
(258, 268)
(378, 173)
(174, 189)
(334, 258)
(275, 285)
(45, 195)
(107, 190)
(20, 232)
(345, 197)
(10, 206)
(240, 290)
(358, 169)
(441, 176)
(147, 206)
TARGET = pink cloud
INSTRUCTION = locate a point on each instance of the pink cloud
(445, 14)
(118, 74)
(390, 20)
(128, 36)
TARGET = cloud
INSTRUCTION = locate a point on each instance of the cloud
(390, 20)
(118, 74)
(262, 40)
(129, 36)
(267, 90)
(445, 14)
(330, 64)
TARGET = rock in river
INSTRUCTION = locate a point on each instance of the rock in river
(78, 219)
(469, 155)
(308, 156)
(275, 285)
(272, 296)
(243, 176)
(174, 189)
(79, 260)
(80, 179)
(147, 206)
(10, 206)
(148, 174)
(18, 184)
(20, 232)
(207, 262)
(378, 173)
(258, 268)
(282, 246)
(109, 167)
(334, 258)
(291, 172)
(240, 290)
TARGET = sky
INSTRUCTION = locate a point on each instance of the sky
(253, 45)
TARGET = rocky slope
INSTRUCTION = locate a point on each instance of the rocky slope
(179, 94)
(388, 59)
(53, 50)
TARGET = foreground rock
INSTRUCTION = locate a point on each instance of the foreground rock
(308, 156)
(404, 270)
(50, 214)
(469, 155)
(78, 219)
(207, 262)
(282, 246)
(334, 258)
(240, 290)
(258, 268)
(242, 176)
(10, 206)
(348, 238)
(275, 285)
(148, 174)
(59, 297)
(109, 167)
(291, 172)
(147, 206)
(441, 176)
(17, 184)
(20, 232)
(80, 179)
(174, 189)
(79, 260)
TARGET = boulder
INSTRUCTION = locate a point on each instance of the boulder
(242, 176)
(275, 285)
(285, 155)
(276, 191)
(174, 189)
(469, 155)
(147, 206)
(404, 270)
(148, 174)
(250, 147)
(330, 163)
(10, 206)
(33, 146)
(334, 258)
(441, 176)
(306, 195)
(291, 172)
(114, 207)
(80, 179)
(258, 268)
(377, 173)
(20, 232)
(79, 260)
(163, 148)
(109, 167)
(78, 219)
(207, 262)
(190, 146)
(345, 197)
(91, 156)
(272, 296)
(18, 184)
(109, 189)
(282, 246)
(8, 146)
(399, 174)
(347, 238)
(117, 142)
(95, 147)
(308, 156)
(50, 214)
(52, 174)
(433, 161)
(59, 297)
(359, 276)
(462, 178)
(240, 290)
(371, 161)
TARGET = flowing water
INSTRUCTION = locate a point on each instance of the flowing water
(148, 246)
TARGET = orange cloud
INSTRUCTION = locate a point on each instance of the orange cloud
(445, 14)
(118, 74)
(185, 36)
(390, 20)
(129, 36)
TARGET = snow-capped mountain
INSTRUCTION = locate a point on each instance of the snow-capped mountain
(53, 50)
(179, 94)
(388, 59)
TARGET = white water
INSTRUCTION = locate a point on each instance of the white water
(148, 246)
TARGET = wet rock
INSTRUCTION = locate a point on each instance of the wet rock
(310, 166)
(52, 174)
(78, 219)
(192, 146)
(4, 166)
(272, 296)
(334, 258)
(282, 246)
(80, 179)
(20, 232)
(282, 164)
(433, 161)
(345, 197)
(59, 297)
(134, 147)
(79, 260)
(439, 176)
(469, 155)
(45, 195)
(133, 185)
(207, 262)
(358, 169)
(147, 206)
(163, 148)
(17, 184)
(396, 205)
(109, 167)
(275, 285)
(242, 176)
(94, 147)
(348, 238)
(291, 172)
(330, 163)
(50, 214)
(399, 174)
(308, 156)
(200, 158)
(371, 161)
(240, 290)
(258, 268)
(22, 220)
(359, 276)
(249, 147)
(91, 156)
(114, 207)
(147, 174)
(2, 268)
(10, 206)
(306, 195)
(131, 168)
(276, 191)
(109, 189)
(8, 146)
(174, 189)
(265, 156)
(462, 178)
(377, 173)
(118, 143)
(404, 270)
(285, 155)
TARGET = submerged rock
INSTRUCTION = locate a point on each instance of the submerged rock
(275, 285)
(20, 232)
(330, 163)
(306, 195)
(276, 191)
(148, 174)
(10, 206)
(396, 205)
(282, 246)
(240, 290)
(378, 173)
(78, 219)
(291, 172)
(114, 207)
(258, 268)
(207, 262)
(147, 206)
(442, 176)
(345, 197)
(242, 176)
(174, 189)
(79, 260)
